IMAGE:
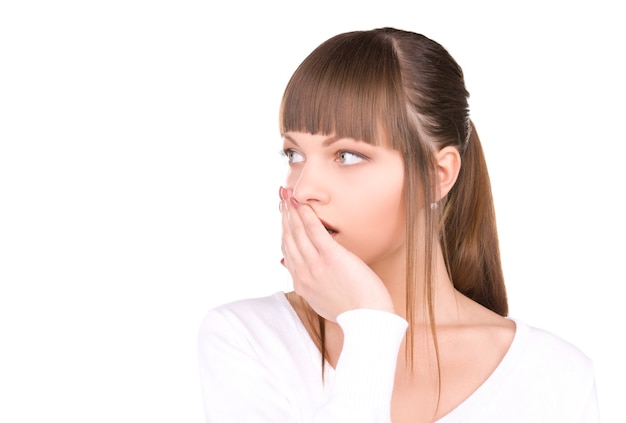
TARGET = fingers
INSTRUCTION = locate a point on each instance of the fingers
(315, 231)
(305, 222)
(302, 242)
(298, 229)
(304, 227)
(288, 246)
(301, 257)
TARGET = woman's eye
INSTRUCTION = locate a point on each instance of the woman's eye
(349, 157)
(292, 155)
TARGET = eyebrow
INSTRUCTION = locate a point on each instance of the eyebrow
(328, 141)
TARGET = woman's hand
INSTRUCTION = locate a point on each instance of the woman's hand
(328, 276)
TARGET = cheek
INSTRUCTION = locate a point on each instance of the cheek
(391, 215)
(291, 178)
(378, 224)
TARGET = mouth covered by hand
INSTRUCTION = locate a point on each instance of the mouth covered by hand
(329, 277)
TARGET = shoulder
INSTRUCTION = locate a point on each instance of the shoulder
(546, 377)
(251, 359)
(542, 377)
(250, 313)
(544, 348)
(551, 367)
(248, 307)
(252, 324)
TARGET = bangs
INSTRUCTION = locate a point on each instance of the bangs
(350, 86)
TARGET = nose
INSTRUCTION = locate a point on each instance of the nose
(310, 186)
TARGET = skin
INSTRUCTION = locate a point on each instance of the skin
(357, 189)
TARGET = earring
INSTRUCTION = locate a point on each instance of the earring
(433, 206)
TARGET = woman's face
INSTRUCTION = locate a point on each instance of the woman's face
(356, 190)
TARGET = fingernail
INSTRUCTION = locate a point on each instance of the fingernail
(281, 193)
(282, 261)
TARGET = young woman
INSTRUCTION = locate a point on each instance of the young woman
(399, 309)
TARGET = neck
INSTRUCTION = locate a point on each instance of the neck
(392, 271)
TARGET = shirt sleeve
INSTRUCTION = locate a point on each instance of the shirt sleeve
(236, 386)
(364, 377)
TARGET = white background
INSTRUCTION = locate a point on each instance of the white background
(139, 172)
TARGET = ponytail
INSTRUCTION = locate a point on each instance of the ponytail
(469, 235)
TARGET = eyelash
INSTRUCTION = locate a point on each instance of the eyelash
(287, 152)
(353, 153)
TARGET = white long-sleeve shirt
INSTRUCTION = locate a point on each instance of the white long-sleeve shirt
(259, 364)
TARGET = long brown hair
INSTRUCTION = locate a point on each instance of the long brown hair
(398, 88)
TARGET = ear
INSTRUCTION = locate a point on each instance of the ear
(448, 167)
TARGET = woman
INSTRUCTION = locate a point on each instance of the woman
(399, 308)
